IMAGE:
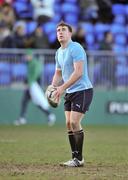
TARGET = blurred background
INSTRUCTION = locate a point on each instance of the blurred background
(100, 26)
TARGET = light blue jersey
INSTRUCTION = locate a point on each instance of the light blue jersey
(65, 59)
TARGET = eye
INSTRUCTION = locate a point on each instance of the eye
(63, 29)
(58, 30)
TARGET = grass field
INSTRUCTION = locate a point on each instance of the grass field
(34, 153)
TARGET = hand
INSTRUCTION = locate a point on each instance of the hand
(59, 92)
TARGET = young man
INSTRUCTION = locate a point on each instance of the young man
(34, 91)
(71, 66)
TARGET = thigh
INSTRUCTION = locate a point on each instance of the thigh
(81, 101)
(76, 116)
(67, 103)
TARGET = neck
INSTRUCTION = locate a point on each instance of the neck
(64, 44)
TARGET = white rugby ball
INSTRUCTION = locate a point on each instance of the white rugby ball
(50, 94)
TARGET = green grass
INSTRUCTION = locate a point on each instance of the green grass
(34, 153)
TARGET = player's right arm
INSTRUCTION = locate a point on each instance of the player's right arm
(57, 78)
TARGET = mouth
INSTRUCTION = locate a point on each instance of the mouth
(60, 37)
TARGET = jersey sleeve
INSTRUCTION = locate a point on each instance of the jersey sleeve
(78, 53)
(57, 63)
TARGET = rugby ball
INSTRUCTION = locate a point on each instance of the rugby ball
(50, 94)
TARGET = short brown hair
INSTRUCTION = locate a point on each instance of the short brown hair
(62, 23)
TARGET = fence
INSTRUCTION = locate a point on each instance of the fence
(106, 69)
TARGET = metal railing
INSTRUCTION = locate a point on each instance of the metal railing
(107, 70)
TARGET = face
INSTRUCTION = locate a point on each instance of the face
(20, 30)
(63, 34)
(109, 37)
(38, 32)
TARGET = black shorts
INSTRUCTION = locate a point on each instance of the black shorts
(78, 101)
